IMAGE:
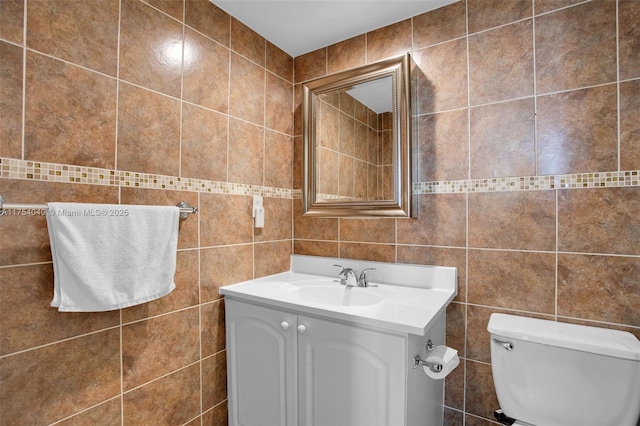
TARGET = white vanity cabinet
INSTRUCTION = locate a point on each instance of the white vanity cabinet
(303, 350)
(288, 369)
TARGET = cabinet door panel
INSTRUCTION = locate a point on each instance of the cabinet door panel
(350, 376)
(261, 356)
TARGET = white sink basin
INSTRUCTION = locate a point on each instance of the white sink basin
(402, 298)
(338, 295)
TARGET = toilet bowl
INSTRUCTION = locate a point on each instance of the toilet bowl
(548, 373)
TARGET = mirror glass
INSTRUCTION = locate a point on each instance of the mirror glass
(357, 147)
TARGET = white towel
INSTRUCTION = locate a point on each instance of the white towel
(110, 256)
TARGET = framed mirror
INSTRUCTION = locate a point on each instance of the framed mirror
(357, 143)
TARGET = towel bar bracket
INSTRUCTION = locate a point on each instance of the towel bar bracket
(185, 208)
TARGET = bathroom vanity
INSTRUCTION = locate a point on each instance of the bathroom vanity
(302, 349)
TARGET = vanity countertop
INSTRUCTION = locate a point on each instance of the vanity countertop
(402, 298)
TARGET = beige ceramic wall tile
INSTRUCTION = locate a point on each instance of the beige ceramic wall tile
(629, 38)
(501, 63)
(630, 125)
(72, 33)
(442, 77)
(174, 399)
(368, 251)
(442, 256)
(70, 114)
(246, 152)
(158, 346)
(213, 327)
(480, 394)
(206, 72)
(108, 413)
(443, 146)
(439, 25)
(247, 90)
(310, 65)
(277, 222)
(278, 160)
(272, 258)
(388, 42)
(278, 106)
(12, 21)
(203, 149)
(544, 6)
(502, 140)
(577, 131)
(209, 19)
(151, 47)
(225, 219)
(313, 228)
(599, 221)
(216, 416)
(484, 15)
(441, 221)
(347, 54)
(28, 320)
(279, 62)
(79, 372)
(175, 8)
(513, 280)
(513, 220)
(600, 288)
(11, 100)
(220, 266)
(247, 42)
(148, 131)
(214, 380)
(576, 47)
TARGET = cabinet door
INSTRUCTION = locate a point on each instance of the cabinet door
(261, 361)
(350, 376)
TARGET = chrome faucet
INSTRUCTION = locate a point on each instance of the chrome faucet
(348, 277)
(362, 281)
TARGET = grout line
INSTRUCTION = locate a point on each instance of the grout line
(466, 255)
(66, 339)
(24, 80)
(557, 236)
(535, 90)
(619, 133)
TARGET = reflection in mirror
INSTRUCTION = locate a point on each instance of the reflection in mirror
(357, 142)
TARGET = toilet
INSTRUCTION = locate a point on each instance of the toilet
(549, 373)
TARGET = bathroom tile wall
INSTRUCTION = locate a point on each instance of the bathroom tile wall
(133, 102)
(528, 131)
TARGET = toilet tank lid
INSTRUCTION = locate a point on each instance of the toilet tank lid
(614, 343)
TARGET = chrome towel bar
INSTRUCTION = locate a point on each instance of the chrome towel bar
(185, 208)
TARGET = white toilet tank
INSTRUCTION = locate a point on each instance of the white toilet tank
(548, 373)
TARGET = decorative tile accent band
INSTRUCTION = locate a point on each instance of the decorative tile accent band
(529, 183)
(11, 168)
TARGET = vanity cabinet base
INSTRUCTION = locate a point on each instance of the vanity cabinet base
(287, 368)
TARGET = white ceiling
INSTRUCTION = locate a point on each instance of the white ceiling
(302, 26)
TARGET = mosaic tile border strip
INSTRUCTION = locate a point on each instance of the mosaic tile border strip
(531, 183)
(11, 168)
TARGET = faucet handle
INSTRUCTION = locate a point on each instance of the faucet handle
(362, 281)
(343, 269)
(347, 276)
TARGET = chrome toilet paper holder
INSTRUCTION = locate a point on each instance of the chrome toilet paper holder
(436, 367)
